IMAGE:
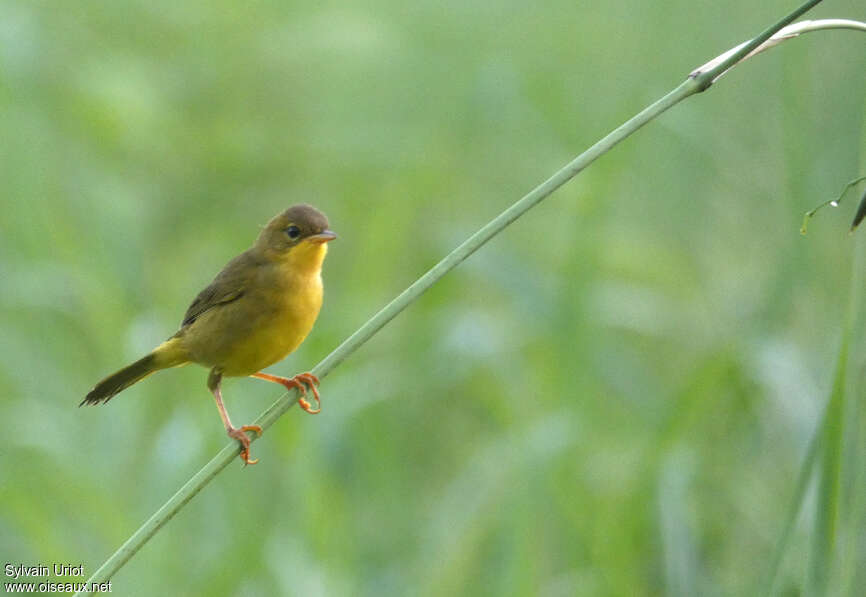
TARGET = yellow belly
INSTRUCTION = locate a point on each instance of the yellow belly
(259, 329)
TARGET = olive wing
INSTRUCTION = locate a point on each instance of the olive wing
(228, 286)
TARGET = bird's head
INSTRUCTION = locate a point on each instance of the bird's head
(298, 236)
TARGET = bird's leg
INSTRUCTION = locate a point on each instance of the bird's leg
(300, 381)
(238, 433)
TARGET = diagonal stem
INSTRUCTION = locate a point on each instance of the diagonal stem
(695, 83)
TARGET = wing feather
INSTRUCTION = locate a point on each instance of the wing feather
(228, 286)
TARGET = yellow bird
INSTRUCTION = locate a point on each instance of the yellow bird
(257, 310)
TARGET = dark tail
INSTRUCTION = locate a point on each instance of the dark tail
(117, 382)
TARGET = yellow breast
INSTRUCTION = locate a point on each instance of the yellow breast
(267, 323)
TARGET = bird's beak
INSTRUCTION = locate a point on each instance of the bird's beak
(324, 236)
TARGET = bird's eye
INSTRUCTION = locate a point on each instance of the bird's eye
(293, 232)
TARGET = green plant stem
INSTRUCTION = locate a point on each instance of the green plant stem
(695, 83)
(835, 202)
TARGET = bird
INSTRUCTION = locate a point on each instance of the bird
(257, 310)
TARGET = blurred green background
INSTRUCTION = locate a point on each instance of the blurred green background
(612, 398)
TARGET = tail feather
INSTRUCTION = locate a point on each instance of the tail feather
(168, 354)
(119, 381)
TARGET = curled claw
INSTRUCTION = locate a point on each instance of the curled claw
(254, 428)
(245, 455)
(310, 380)
(239, 433)
(299, 381)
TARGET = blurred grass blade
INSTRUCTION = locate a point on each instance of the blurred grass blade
(826, 441)
(678, 541)
(854, 496)
(827, 504)
(794, 508)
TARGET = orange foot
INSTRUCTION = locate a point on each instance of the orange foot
(300, 381)
(239, 433)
